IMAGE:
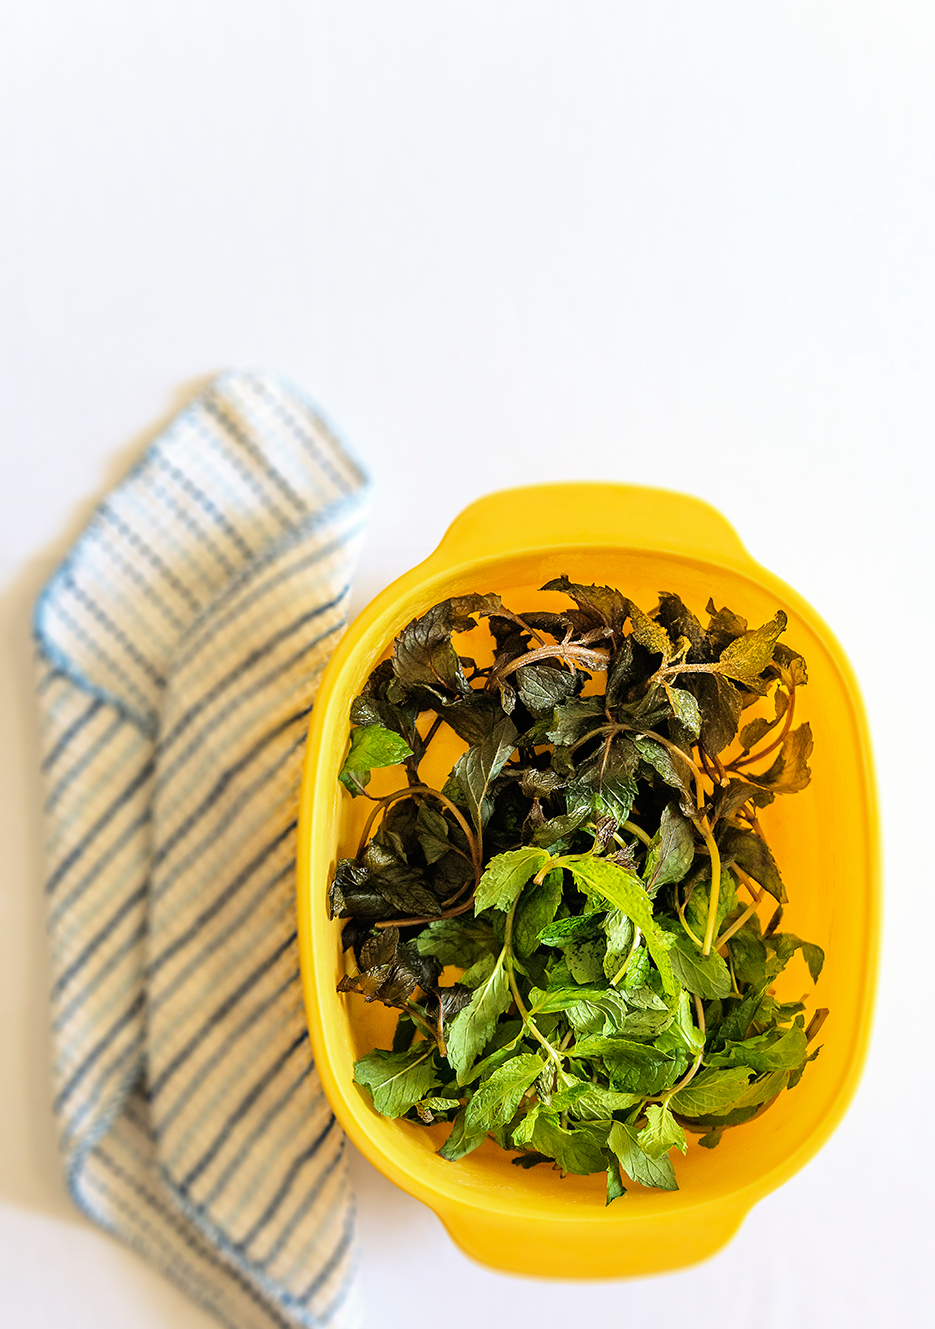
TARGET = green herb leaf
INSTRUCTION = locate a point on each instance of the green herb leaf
(705, 975)
(536, 910)
(578, 1150)
(661, 1132)
(711, 1092)
(397, 1080)
(476, 770)
(461, 941)
(624, 891)
(371, 746)
(505, 876)
(470, 1030)
(639, 1166)
(461, 1141)
(496, 1099)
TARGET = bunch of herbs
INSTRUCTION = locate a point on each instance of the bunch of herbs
(593, 869)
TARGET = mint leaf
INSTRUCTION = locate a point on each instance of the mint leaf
(470, 1030)
(536, 910)
(397, 1080)
(746, 657)
(460, 941)
(624, 891)
(685, 709)
(505, 876)
(639, 1166)
(461, 1141)
(495, 1100)
(752, 853)
(618, 929)
(615, 1187)
(432, 832)
(661, 1132)
(476, 770)
(423, 654)
(711, 1092)
(649, 633)
(706, 975)
(542, 687)
(371, 746)
(671, 852)
(579, 1151)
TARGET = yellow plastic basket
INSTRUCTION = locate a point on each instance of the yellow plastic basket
(825, 840)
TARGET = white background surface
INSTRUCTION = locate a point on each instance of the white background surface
(676, 243)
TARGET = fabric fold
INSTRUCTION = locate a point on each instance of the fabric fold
(180, 646)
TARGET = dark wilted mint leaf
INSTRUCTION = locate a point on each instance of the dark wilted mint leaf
(602, 604)
(671, 852)
(476, 770)
(789, 772)
(750, 852)
(650, 634)
(423, 654)
(542, 687)
(720, 704)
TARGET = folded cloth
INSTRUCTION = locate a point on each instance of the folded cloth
(180, 646)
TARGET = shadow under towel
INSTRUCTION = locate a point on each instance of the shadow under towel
(180, 647)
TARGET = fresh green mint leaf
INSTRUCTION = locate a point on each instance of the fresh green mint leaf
(624, 891)
(371, 746)
(470, 1030)
(706, 975)
(615, 1187)
(579, 1150)
(397, 1080)
(661, 1132)
(496, 1099)
(461, 1141)
(711, 1092)
(536, 910)
(639, 1166)
(505, 876)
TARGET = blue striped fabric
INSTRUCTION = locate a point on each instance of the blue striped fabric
(180, 646)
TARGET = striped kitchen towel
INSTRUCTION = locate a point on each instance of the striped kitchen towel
(180, 646)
